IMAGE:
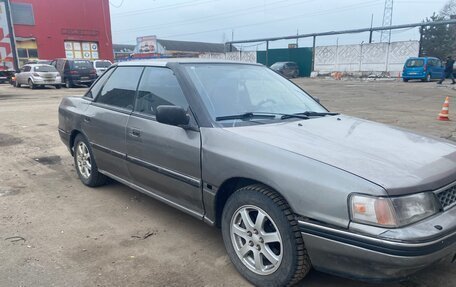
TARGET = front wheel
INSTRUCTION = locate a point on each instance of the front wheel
(58, 86)
(262, 239)
(85, 164)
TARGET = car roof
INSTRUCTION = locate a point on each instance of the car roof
(419, 58)
(37, 65)
(165, 61)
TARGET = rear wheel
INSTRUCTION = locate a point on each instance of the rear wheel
(58, 86)
(16, 84)
(405, 80)
(262, 239)
(31, 84)
(85, 164)
(68, 83)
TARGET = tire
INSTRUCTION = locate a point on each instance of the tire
(83, 159)
(68, 84)
(31, 84)
(428, 78)
(289, 262)
(58, 86)
(405, 80)
(16, 84)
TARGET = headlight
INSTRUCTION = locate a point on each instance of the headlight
(392, 211)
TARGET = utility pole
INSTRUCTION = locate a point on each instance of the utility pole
(387, 21)
(370, 32)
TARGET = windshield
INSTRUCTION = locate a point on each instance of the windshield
(44, 68)
(103, 64)
(233, 89)
(415, 63)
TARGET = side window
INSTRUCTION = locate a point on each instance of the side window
(431, 63)
(438, 63)
(27, 68)
(159, 86)
(120, 88)
(96, 88)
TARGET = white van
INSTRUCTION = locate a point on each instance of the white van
(101, 65)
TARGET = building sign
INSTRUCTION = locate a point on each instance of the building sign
(81, 50)
(79, 32)
(146, 44)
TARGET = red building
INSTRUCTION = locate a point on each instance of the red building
(49, 29)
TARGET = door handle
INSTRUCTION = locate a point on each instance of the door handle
(87, 119)
(135, 133)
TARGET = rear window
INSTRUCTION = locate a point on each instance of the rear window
(415, 63)
(277, 65)
(44, 69)
(80, 64)
(103, 64)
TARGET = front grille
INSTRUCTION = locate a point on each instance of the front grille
(447, 197)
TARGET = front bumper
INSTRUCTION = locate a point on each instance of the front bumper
(417, 76)
(381, 258)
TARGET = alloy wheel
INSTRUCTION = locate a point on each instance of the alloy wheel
(83, 160)
(256, 240)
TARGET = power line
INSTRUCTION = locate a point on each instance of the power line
(322, 12)
(162, 8)
(238, 12)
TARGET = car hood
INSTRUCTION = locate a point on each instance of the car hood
(400, 161)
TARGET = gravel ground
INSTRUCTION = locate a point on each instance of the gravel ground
(56, 232)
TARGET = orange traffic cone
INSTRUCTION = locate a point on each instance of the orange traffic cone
(443, 116)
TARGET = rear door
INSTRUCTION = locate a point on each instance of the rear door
(106, 118)
(164, 159)
(415, 66)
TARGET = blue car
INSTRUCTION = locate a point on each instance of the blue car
(422, 68)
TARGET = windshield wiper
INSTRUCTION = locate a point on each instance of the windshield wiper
(308, 114)
(246, 116)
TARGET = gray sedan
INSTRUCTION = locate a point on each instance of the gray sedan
(291, 185)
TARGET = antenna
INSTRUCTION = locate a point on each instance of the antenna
(387, 21)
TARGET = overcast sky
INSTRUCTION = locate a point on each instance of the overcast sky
(219, 20)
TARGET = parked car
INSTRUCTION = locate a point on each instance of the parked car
(287, 69)
(290, 184)
(35, 75)
(75, 72)
(101, 66)
(6, 76)
(422, 68)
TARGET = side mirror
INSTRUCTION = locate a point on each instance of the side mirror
(316, 99)
(172, 115)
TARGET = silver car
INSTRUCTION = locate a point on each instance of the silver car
(291, 185)
(35, 75)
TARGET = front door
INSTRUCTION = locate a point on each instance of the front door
(163, 159)
(106, 118)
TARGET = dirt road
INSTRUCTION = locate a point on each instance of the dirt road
(56, 232)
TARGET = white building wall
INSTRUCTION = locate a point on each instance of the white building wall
(250, 57)
(375, 57)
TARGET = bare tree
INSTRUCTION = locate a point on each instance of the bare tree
(449, 9)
